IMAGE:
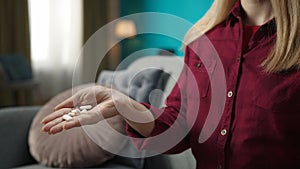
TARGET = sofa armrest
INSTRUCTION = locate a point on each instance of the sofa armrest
(14, 127)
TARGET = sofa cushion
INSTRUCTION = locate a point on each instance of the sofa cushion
(71, 148)
(14, 125)
(109, 166)
(138, 84)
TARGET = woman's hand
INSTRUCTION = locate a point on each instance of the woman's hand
(98, 96)
(106, 103)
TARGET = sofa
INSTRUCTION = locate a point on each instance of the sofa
(15, 123)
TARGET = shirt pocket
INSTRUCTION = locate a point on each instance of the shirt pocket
(272, 92)
(201, 71)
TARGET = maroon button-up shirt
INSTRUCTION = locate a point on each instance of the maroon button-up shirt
(259, 123)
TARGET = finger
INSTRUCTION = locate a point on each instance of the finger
(98, 113)
(68, 103)
(89, 117)
(57, 128)
(71, 124)
(55, 115)
(48, 126)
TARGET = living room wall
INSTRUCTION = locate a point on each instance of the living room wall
(189, 10)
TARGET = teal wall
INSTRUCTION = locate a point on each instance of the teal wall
(189, 10)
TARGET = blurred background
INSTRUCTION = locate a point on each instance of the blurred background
(41, 40)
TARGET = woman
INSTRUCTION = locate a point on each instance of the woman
(258, 44)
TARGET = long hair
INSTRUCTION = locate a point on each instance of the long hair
(285, 54)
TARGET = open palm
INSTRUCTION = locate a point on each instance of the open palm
(98, 96)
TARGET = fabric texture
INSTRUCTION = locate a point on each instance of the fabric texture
(108, 166)
(72, 148)
(248, 32)
(14, 127)
(137, 84)
(258, 120)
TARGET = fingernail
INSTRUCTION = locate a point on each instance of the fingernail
(52, 132)
(43, 121)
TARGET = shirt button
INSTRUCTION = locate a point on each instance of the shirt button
(223, 132)
(230, 94)
(198, 65)
(238, 59)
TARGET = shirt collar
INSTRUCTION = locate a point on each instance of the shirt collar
(236, 9)
(235, 15)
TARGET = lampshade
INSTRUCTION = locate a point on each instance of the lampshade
(125, 28)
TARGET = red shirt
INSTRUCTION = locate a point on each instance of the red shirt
(258, 127)
(248, 32)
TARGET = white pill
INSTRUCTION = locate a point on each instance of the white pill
(76, 111)
(72, 114)
(67, 117)
(84, 111)
(87, 107)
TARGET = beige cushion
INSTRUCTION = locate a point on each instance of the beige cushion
(72, 148)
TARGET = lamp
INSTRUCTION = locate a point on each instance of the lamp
(125, 29)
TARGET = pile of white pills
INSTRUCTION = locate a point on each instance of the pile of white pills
(76, 112)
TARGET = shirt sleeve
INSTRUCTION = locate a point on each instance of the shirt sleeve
(171, 119)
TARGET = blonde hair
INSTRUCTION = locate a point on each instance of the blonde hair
(285, 54)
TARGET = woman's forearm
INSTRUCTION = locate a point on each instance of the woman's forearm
(145, 129)
(138, 117)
